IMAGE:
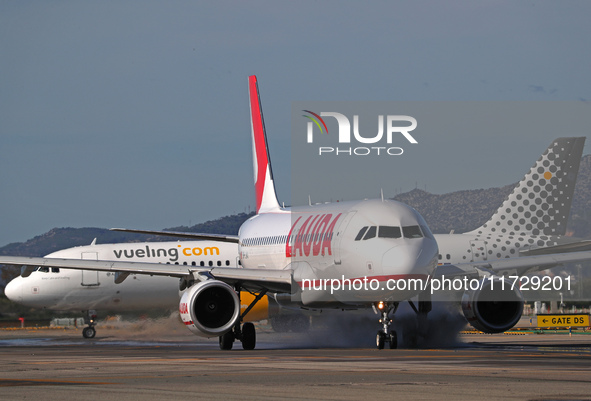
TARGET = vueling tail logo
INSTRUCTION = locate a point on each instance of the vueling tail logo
(171, 253)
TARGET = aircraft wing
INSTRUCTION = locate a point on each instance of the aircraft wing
(252, 279)
(197, 236)
(512, 266)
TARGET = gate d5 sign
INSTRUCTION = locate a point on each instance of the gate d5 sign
(563, 320)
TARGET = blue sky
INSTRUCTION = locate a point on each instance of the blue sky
(135, 113)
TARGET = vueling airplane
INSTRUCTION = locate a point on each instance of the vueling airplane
(65, 289)
(346, 255)
(533, 218)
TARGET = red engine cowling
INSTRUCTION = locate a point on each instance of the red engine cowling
(494, 307)
(210, 308)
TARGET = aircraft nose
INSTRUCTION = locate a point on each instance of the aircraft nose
(419, 258)
(14, 290)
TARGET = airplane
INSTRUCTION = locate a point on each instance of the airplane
(65, 290)
(74, 290)
(79, 290)
(358, 247)
(531, 221)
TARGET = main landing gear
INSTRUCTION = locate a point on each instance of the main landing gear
(90, 331)
(246, 334)
(385, 335)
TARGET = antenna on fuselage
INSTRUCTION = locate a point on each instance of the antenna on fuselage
(382, 193)
(309, 200)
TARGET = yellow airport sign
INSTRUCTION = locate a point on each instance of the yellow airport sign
(563, 320)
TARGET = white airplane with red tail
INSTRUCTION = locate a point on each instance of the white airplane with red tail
(344, 255)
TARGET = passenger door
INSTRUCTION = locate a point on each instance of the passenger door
(90, 278)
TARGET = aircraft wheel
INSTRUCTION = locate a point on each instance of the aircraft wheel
(226, 341)
(393, 340)
(249, 336)
(89, 332)
(380, 340)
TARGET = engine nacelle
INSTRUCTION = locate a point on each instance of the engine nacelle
(210, 308)
(494, 307)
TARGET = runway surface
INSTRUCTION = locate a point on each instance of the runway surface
(118, 366)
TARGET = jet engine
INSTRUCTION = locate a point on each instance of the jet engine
(210, 308)
(495, 306)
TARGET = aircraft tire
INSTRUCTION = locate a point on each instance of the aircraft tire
(89, 332)
(393, 340)
(249, 338)
(226, 341)
(380, 340)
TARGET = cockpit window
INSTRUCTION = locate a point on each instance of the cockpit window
(360, 234)
(412, 232)
(43, 269)
(389, 232)
(371, 233)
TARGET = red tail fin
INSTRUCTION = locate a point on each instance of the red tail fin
(263, 174)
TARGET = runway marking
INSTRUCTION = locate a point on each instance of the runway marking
(44, 382)
(383, 356)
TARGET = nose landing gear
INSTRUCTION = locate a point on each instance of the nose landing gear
(385, 335)
(90, 331)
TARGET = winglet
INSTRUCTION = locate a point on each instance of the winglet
(263, 174)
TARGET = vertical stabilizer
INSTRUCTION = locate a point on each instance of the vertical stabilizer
(263, 174)
(540, 203)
